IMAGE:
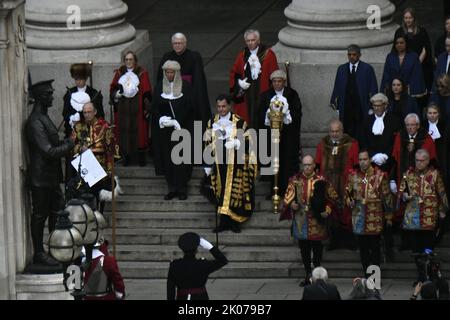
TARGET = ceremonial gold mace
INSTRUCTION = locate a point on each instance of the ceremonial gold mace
(276, 124)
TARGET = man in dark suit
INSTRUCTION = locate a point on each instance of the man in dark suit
(187, 276)
(320, 289)
(355, 83)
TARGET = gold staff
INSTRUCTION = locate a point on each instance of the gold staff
(276, 124)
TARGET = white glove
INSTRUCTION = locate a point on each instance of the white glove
(287, 119)
(164, 121)
(244, 84)
(267, 120)
(205, 244)
(405, 197)
(233, 144)
(393, 186)
(207, 171)
(379, 159)
(174, 123)
(73, 119)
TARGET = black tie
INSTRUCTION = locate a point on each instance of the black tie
(353, 69)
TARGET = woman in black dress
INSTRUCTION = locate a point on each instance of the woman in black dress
(418, 41)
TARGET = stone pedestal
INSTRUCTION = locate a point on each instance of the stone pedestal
(14, 204)
(315, 42)
(55, 41)
(41, 287)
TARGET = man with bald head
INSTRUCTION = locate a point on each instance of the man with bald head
(336, 155)
(96, 134)
(191, 63)
(308, 203)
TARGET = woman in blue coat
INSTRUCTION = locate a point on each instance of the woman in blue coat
(406, 65)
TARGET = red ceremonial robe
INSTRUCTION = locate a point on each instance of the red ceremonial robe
(405, 160)
(336, 168)
(269, 64)
(145, 90)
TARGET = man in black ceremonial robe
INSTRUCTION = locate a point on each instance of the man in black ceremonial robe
(191, 71)
(290, 133)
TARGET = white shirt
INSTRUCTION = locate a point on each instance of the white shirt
(378, 125)
(279, 93)
(130, 70)
(83, 89)
(350, 65)
(412, 136)
(254, 51)
(226, 117)
(448, 60)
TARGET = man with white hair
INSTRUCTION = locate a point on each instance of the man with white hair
(320, 289)
(379, 133)
(423, 191)
(407, 142)
(192, 71)
(250, 76)
(290, 134)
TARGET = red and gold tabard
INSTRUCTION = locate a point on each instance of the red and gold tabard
(373, 202)
(99, 138)
(428, 199)
(300, 189)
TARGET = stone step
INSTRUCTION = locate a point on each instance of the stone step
(169, 236)
(158, 270)
(249, 253)
(149, 172)
(187, 219)
(194, 203)
(158, 186)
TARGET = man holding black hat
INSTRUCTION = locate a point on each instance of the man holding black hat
(189, 274)
(46, 150)
(77, 96)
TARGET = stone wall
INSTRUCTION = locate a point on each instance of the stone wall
(14, 203)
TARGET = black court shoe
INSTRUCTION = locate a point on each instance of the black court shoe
(170, 196)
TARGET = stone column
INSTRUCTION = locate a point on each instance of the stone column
(14, 204)
(315, 42)
(63, 32)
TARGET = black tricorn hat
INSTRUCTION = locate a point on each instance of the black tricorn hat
(189, 241)
(80, 70)
(41, 86)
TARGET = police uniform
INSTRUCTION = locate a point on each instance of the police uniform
(187, 276)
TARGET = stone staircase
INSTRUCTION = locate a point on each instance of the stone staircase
(148, 228)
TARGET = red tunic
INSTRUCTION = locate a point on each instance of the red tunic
(336, 168)
(427, 144)
(269, 64)
(145, 88)
(111, 270)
